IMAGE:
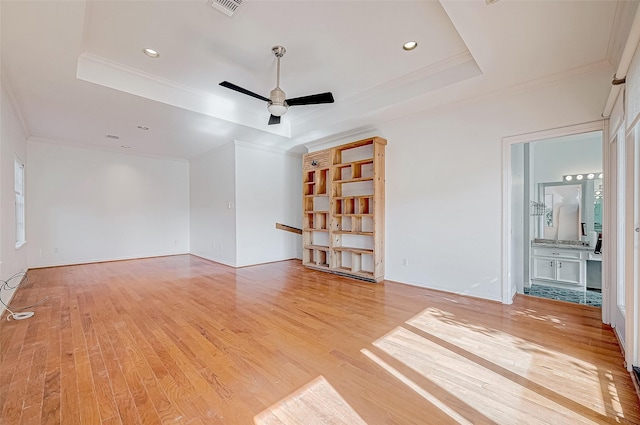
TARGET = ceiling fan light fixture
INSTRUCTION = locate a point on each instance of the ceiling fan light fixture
(277, 110)
(277, 104)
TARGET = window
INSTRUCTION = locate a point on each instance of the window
(19, 189)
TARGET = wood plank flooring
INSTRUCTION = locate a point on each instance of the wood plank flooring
(181, 340)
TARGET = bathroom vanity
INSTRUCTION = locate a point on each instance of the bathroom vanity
(566, 218)
(562, 264)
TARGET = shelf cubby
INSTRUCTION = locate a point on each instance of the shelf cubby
(316, 256)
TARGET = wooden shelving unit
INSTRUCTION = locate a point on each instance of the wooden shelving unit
(343, 204)
(316, 187)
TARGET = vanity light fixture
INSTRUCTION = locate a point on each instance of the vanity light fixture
(581, 177)
(150, 52)
(410, 45)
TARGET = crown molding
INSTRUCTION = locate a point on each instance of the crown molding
(265, 148)
(102, 71)
(550, 79)
(622, 22)
(341, 138)
(107, 63)
(114, 150)
(432, 77)
(587, 127)
(519, 88)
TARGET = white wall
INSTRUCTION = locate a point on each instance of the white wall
(212, 205)
(268, 190)
(88, 205)
(12, 144)
(444, 181)
(553, 158)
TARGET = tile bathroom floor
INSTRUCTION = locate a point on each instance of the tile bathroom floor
(589, 297)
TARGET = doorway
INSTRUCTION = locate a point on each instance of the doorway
(565, 201)
(550, 247)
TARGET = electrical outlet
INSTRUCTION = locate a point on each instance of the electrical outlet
(405, 261)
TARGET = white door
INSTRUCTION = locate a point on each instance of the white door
(615, 192)
(628, 294)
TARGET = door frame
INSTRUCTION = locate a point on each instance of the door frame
(508, 287)
(611, 248)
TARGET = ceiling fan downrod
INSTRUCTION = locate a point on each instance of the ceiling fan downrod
(277, 104)
(279, 51)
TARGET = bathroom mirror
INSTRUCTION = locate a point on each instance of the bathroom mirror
(562, 211)
(569, 211)
(598, 195)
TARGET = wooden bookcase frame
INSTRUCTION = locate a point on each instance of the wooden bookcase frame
(343, 209)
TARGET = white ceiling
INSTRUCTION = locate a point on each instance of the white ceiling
(77, 71)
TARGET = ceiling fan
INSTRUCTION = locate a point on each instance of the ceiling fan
(278, 104)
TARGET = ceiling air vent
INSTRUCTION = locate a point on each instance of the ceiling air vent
(228, 7)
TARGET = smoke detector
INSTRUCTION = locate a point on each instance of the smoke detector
(228, 7)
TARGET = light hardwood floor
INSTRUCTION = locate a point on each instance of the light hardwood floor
(181, 340)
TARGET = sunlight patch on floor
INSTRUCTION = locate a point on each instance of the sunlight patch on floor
(415, 387)
(316, 403)
(499, 398)
(525, 359)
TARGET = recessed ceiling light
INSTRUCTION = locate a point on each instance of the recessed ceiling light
(150, 52)
(143, 127)
(410, 45)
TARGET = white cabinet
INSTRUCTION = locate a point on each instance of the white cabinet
(568, 271)
(560, 267)
(544, 268)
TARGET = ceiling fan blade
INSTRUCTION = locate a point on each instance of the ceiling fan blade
(313, 99)
(274, 120)
(243, 91)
